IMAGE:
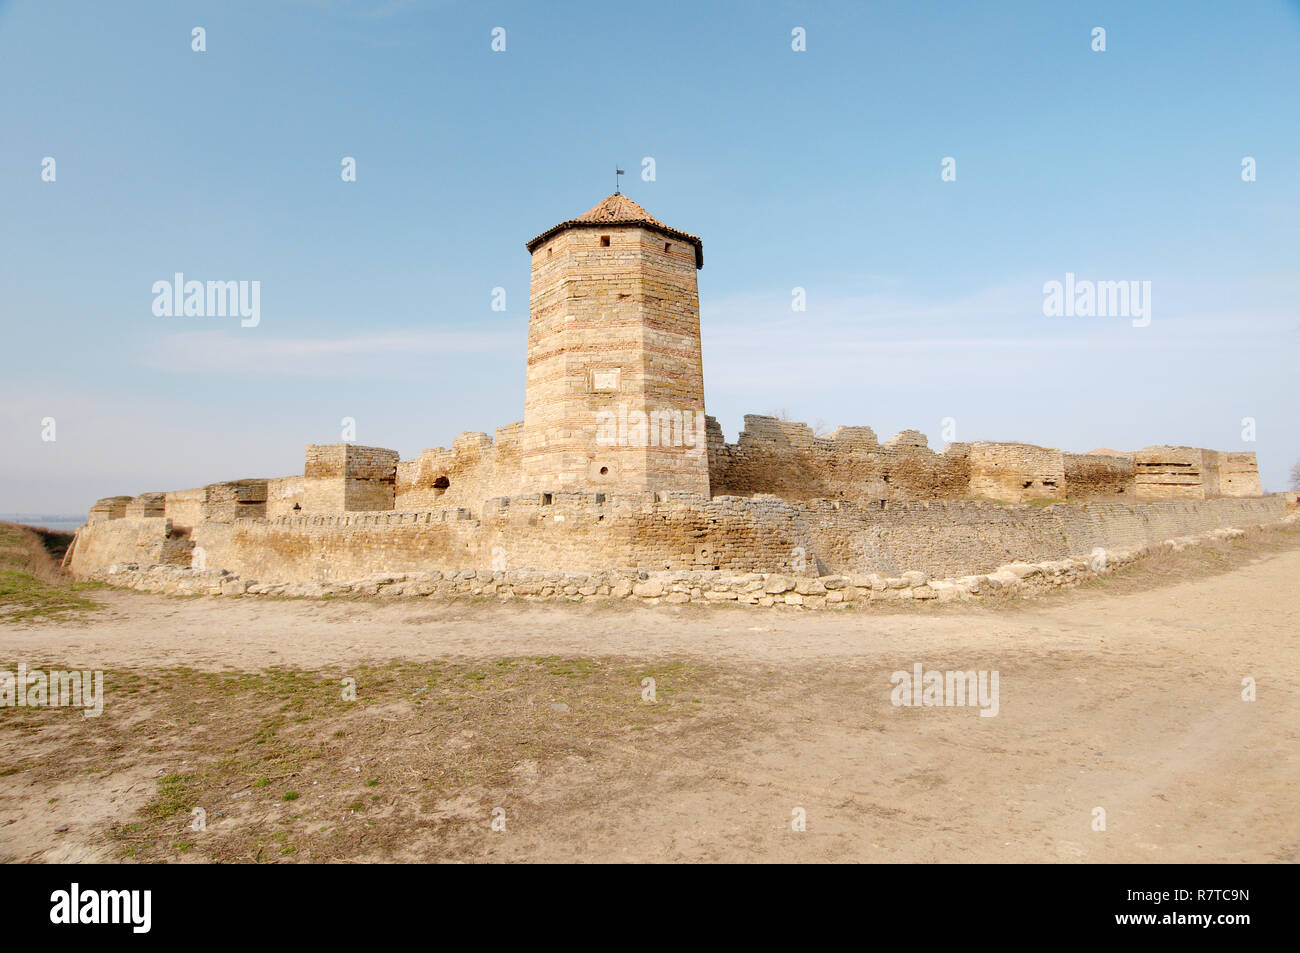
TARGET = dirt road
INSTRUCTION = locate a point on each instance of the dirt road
(1125, 701)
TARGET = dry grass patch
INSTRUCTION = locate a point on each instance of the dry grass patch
(286, 769)
(32, 586)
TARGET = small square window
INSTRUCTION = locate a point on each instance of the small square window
(604, 241)
(550, 252)
(668, 246)
(547, 499)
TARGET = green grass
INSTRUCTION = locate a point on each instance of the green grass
(174, 796)
(23, 597)
(31, 584)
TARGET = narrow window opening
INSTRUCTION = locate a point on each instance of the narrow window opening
(547, 499)
(604, 241)
(668, 246)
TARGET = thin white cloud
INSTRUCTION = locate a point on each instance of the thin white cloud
(246, 351)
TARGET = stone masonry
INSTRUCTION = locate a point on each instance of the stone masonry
(615, 382)
(616, 468)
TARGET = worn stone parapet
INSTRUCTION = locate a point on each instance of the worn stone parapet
(1099, 476)
(235, 499)
(1016, 472)
(185, 507)
(146, 505)
(108, 508)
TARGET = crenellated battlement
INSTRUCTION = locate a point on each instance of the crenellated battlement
(615, 464)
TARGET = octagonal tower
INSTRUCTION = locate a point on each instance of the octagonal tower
(614, 396)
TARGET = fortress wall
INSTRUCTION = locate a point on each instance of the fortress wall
(1169, 473)
(340, 460)
(289, 496)
(337, 478)
(1239, 475)
(143, 540)
(366, 495)
(476, 468)
(670, 531)
(785, 459)
(572, 531)
(235, 499)
(108, 508)
(146, 504)
(644, 531)
(1016, 472)
(326, 548)
(945, 538)
(185, 507)
(1096, 476)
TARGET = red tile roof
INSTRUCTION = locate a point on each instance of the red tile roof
(618, 209)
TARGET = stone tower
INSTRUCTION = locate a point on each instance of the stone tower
(614, 397)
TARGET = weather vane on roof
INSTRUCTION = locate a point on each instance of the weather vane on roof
(617, 184)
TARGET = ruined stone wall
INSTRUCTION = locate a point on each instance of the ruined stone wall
(367, 474)
(536, 531)
(337, 478)
(667, 531)
(613, 329)
(784, 458)
(108, 508)
(146, 505)
(1097, 476)
(1016, 472)
(144, 540)
(951, 538)
(185, 507)
(1176, 473)
(1239, 475)
(235, 500)
(476, 468)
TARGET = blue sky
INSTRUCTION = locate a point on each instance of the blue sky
(817, 169)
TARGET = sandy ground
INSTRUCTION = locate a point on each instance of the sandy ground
(1127, 701)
